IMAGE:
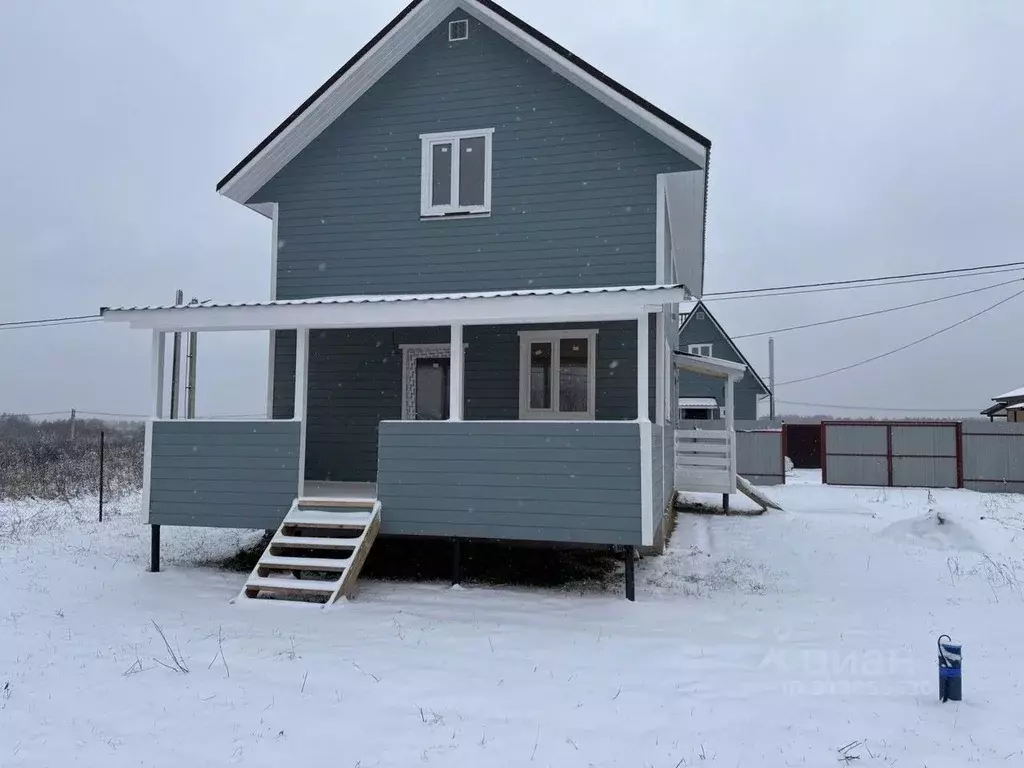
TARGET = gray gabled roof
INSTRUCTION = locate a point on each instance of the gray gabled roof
(700, 306)
(346, 85)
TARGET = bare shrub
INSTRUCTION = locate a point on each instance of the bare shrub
(39, 459)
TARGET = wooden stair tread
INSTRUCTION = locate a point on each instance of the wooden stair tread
(316, 518)
(344, 569)
(315, 542)
(291, 584)
(313, 503)
(305, 563)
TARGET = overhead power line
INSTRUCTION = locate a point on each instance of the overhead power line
(903, 347)
(961, 272)
(49, 321)
(836, 288)
(876, 312)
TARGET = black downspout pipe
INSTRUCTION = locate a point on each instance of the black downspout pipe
(456, 562)
(630, 574)
(154, 549)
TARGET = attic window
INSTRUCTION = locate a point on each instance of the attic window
(703, 350)
(456, 173)
(458, 30)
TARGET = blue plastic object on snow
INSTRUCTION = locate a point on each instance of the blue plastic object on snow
(950, 680)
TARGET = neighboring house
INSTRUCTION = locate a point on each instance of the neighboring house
(703, 397)
(1009, 406)
(480, 247)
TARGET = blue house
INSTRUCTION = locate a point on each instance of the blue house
(703, 396)
(481, 244)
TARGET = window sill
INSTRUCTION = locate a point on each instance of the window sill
(454, 216)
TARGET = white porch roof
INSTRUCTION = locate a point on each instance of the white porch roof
(709, 366)
(407, 310)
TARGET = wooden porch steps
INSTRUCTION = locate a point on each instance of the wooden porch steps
(316, 555)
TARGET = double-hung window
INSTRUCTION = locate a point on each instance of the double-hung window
(557, 372)
(456, 173)
(704, 350)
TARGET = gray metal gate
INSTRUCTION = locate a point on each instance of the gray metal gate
(898, 454)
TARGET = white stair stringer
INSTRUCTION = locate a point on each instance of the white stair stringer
(333, 545)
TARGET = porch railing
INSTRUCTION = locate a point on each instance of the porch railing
(231, 474)
(705, 460)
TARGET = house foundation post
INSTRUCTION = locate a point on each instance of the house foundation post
(456, 562)
(154, 549)
(631, 574)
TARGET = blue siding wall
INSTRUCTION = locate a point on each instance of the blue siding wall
(223, 474)
(526, 481)
(746, 391)
(573, 183)
(355, 382)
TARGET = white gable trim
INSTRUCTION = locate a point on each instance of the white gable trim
(701, 306)
(362, 76)
(683, 144)
(394, 46)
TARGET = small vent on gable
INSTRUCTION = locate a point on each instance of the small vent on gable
(700, 315)
(458, 30)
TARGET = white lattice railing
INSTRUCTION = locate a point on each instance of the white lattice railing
(705, 460)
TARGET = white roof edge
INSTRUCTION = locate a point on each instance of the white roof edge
(642, 118)
(698, 402)
(732, 344)
(407, 310)
(354, 83)
(1011, 395)
(711, 366)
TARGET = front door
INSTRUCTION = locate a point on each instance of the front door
(432, 388)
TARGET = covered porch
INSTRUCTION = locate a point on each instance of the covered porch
(705, 459)
(571, 450)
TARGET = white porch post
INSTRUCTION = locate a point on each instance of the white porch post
(643, 373)
(456, 384)
(659, 369)
(643, 417)
(301, 388)
(730, 428)
(157, 371)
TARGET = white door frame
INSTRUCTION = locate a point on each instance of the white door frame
(411, 354)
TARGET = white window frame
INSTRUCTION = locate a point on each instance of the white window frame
(526, 338)
(452, 26)
(428, 141)
(695, 349)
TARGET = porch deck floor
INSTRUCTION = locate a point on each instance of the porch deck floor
(336, 491)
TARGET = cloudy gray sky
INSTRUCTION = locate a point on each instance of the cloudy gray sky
(850, 139)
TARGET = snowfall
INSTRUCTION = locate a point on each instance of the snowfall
(798, 638)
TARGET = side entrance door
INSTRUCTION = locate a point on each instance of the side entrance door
(432, 375)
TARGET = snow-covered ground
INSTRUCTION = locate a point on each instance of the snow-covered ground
(770, 641)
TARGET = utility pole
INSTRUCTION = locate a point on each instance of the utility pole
(190, 387)
(72, 425)
(771, 377)
(179, 298)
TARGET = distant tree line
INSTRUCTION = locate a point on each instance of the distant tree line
(50, 460)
